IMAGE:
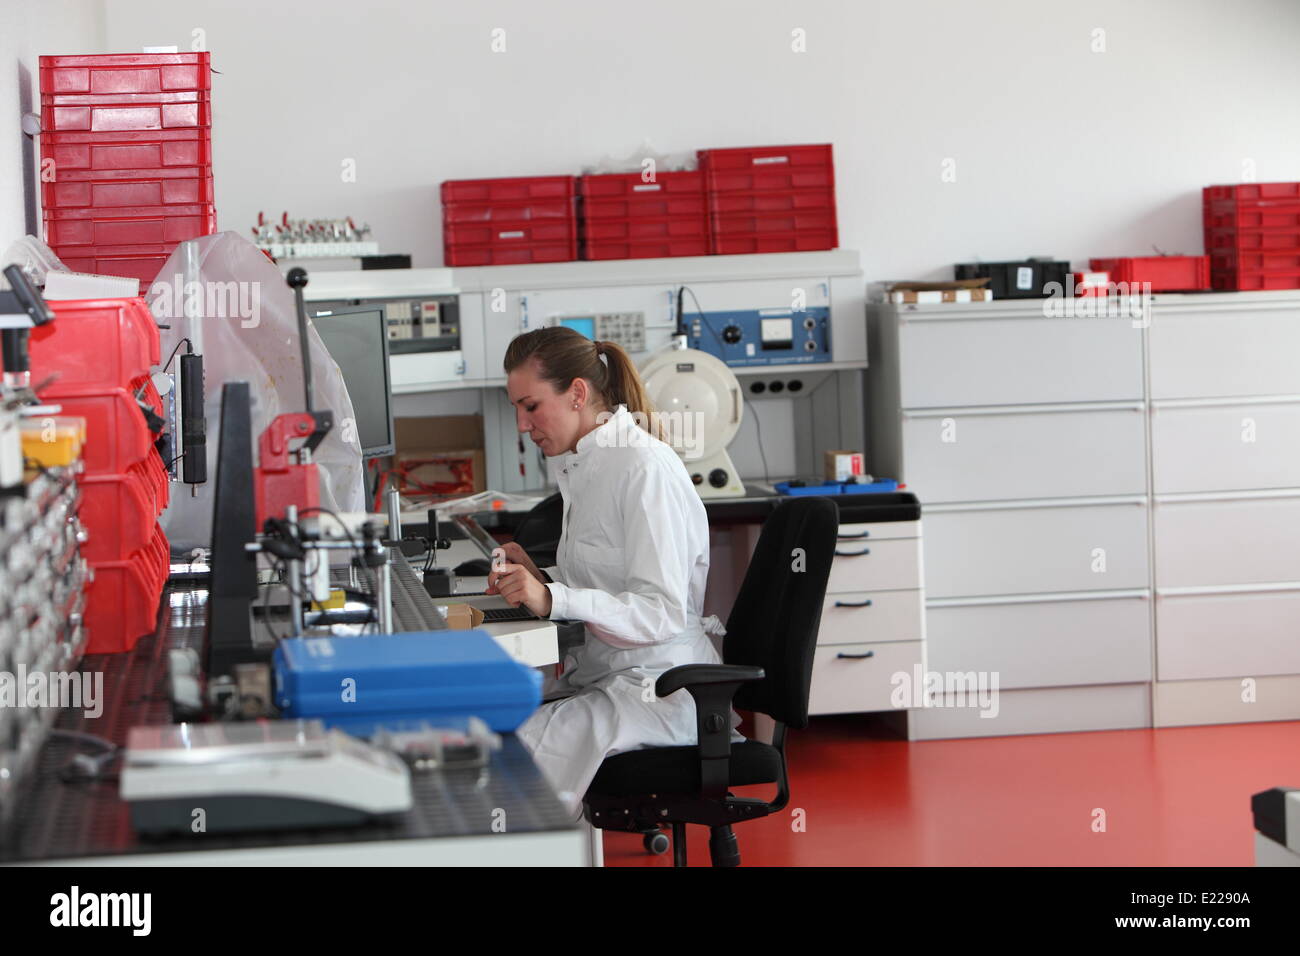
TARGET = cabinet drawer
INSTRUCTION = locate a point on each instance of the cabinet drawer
(881, 529)
(858, 678)
(1201, 636)
(1222, 354)
(1044, 643)
(1041, 711)
(1021, 361)
(1009, 455)
(1035, 550)
(875, 566)
(1207, 543)
(874, 616)
(1225, 447)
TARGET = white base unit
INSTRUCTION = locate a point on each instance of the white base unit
(1233, 700)
(854, 617)
(859, 678)
(1084, 546)
(1103, 639)
(1201, 636)
(1204, 541)
(1051, 710)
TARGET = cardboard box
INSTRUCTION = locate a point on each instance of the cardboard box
(843, 465)
(463, 617)
(929, 293)
(441, 450)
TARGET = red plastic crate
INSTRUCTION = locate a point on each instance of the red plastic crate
(635, 229)
(117, 437)
(178, 185)
(1227, 279)
(626, 195)
(547, 211)
(1285, 260)
(783, 200)
(645, 248)
(508, 255)
(1245, 240)
(106, 73)
(779, 242)
(145, 268)
(128, 225)
(515, 189)
(1253, 192)
(1230, 215)
(743, 224)
(768, 167)
(1164, 273)
(95, 345)
(121, 116)
(119, 514)
(508, 233)
(128, 149)
(121, 605)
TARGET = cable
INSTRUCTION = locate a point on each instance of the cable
(188, 351)
(758, 424)
(699, 310)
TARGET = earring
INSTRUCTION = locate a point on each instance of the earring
(576, 406)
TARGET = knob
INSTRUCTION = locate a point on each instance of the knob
(697, 478)
(731, 334)
(718, 478)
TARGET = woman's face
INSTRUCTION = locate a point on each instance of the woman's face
(546, 415)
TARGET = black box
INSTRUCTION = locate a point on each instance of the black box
(1024, 279)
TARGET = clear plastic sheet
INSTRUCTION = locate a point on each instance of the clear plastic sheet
(230, 301)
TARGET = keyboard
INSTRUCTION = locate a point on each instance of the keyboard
(495, 615)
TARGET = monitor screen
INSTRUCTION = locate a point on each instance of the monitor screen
(357, 339)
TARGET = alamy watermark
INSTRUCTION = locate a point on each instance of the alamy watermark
(978, 689)
(58, 689)
(175, 298)
(683, 430)
(1120, 300)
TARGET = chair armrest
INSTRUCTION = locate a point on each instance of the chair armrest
(688, 675)
(712, 686)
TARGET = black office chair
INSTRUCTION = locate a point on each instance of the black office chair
(538, 534)
(768, 655)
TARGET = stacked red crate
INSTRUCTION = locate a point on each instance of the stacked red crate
(126, 158)
(626, 217)
(1156, 273)
(1252, 235)
(770, 198)
(490, 222)
(98, 354)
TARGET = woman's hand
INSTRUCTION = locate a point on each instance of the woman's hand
(517, 555)
(518, 585)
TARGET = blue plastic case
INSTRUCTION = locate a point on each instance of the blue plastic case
(360, 684)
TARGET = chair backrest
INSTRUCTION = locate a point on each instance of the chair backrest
(774, 622)
(539, 532)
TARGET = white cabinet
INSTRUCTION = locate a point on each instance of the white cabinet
(1080, 546)
(1225, 350)
(1229, 447)
(1228, 634)
(859, 678)
(1206, 542)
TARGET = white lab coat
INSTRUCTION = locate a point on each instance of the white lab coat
(633, 562)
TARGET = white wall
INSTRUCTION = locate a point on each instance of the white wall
(1058, 150)
(30, 29)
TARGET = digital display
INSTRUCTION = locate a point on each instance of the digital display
(357, 339)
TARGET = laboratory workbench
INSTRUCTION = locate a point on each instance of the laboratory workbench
(452, 822)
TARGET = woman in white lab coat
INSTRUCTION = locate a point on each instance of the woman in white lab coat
(633, 559)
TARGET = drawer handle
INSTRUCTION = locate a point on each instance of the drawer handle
(866, 603)
(854, 537)
(851, 554)
(856, 657)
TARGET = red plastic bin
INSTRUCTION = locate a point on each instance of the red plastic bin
(1287, 260)
(695, 227)
(646, 248)
(144, 268)
(128, 225)
(117, 436)
(94, 345)
(1164, 273)
(1244, 240)
(506, 233)
(105, 73)
(1230, 280)
(783, 200)
(523, 189)
(1253, 192)
(545, 211)
(501, 254)
(779, 242)
(136, 187)
(805, 221)
(754, 168)
(627, 195)
(128, 149)
(121, 605)
(119, 516)
(1230, 215)
(126, 116)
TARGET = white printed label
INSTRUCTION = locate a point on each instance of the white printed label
(511, 235)
(1024, 277)
(765, 160)
(647, 187)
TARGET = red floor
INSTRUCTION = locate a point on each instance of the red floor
(1175, 797)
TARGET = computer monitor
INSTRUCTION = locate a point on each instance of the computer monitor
(357, 339)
